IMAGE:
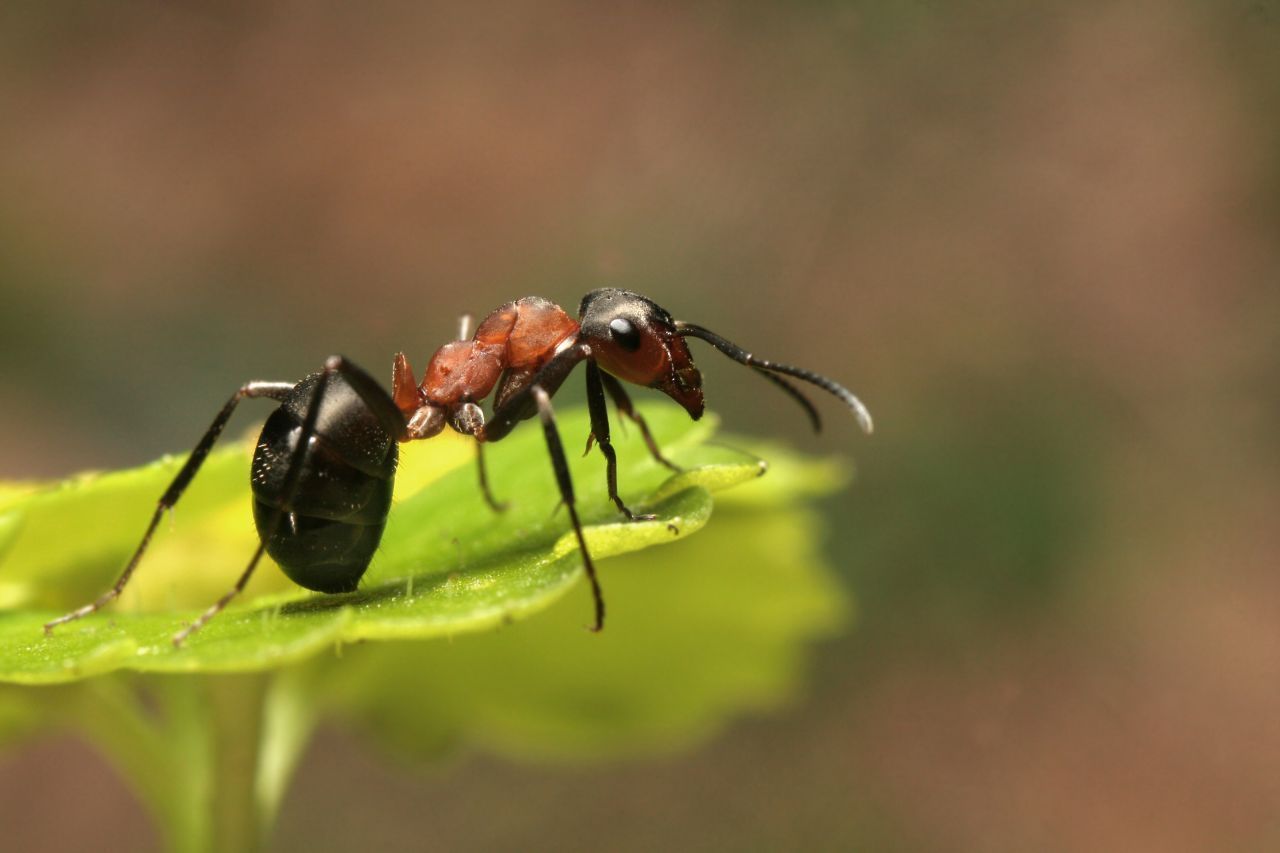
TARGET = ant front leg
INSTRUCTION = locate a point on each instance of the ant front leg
(623, 401)
(273, 390)
(600, 432)
(560, 465)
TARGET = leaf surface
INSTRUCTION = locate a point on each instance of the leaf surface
(447, 564)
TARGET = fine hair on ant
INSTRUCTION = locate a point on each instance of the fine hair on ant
(324, 467)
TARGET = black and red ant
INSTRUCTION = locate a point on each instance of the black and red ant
(325, 463)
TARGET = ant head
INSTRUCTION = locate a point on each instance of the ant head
(636, 340)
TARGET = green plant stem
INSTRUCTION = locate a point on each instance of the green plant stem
(236, 733)
(289, 720)
(211, 757)
(109, 713)
(187, 818)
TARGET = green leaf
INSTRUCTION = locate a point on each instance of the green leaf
(447, 565)
(711, 626)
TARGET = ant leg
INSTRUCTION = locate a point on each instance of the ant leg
(373, 394)
(468, 419)
(494, 504)
(464, 327)
(516, 405)
(181, 637)
(288, 490)
(623, 401)
(560, 465)
(273, 390)
(600, 430)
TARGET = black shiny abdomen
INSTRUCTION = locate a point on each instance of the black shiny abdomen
(344, 494)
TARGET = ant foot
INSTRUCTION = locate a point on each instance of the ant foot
(631, 516)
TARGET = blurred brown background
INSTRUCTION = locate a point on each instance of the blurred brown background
(1039, 239)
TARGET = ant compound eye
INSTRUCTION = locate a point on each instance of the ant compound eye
(625, 334)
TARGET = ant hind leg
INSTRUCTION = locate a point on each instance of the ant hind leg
(272, 390)
(560, 465)
(289, 489)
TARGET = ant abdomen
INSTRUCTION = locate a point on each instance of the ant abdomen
(343, 491)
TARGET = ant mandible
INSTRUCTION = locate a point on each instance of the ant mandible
(325, 464)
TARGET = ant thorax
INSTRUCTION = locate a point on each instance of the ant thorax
(509, 347)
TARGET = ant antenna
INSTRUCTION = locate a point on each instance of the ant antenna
(769, 369)
(815, 420)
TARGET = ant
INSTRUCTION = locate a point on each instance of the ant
(325, 463)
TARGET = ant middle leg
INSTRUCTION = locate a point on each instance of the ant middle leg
(600, 432)
(560, 465)
(272, 390)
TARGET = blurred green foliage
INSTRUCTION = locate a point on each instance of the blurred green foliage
(982, 509)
